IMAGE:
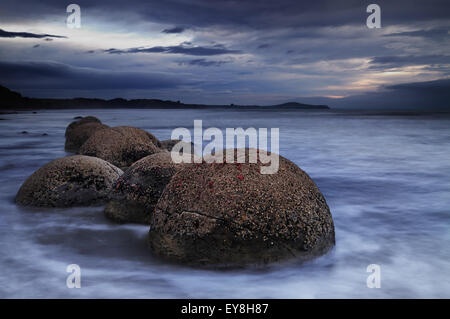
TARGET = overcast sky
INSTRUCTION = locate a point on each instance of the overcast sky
(238, 51)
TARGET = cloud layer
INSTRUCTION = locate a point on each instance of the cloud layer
(7, 34)
(52, 75)
(178, 49)
(242, 52)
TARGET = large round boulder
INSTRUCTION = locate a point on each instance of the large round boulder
(78, 132)
(231, 214)
(80, 121)
(69, 181)
(121, 146)
(136, 193)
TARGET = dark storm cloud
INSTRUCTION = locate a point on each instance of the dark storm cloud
(389, 62)
(260, 14)
(8, 34)
(440, 87)
(51, 75)
(422, 96)
(174, 30)
(178, 49)
(316, 47)
(203, 62)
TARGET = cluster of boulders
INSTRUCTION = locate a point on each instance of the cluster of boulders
(199, 213)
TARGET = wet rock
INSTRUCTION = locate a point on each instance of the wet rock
(231, 214)
(69, 181)
(79, 131)
(121, 146)
(80, 134)
(136, 193)
(80, 121)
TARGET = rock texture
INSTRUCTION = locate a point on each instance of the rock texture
(79, 131)
(136, 193)
(79, 120)
(121, 146)
(231, 214)
(69, 181)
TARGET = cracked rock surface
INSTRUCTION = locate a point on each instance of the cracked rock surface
(121, 146)
(231, 214)
(69, 181)
(136, 193)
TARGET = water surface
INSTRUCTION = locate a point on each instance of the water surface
(385, 178)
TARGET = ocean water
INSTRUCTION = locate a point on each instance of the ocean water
(385, 178)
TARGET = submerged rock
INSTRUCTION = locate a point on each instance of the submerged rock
(69, 181)
(136, 193)
(121, 146)
(231, 214)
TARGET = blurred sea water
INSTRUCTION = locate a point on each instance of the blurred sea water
(386, 179)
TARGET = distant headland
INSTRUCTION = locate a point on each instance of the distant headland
(12, 100)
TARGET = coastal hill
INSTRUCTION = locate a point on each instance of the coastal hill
(13, 100)
(295, 105)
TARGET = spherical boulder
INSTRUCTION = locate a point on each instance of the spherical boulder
(69, 181)
(77, 135)
(136, 193)
(79, 120)
(231, 214)
(121, 146)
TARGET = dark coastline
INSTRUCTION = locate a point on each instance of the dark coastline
(12, 100)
